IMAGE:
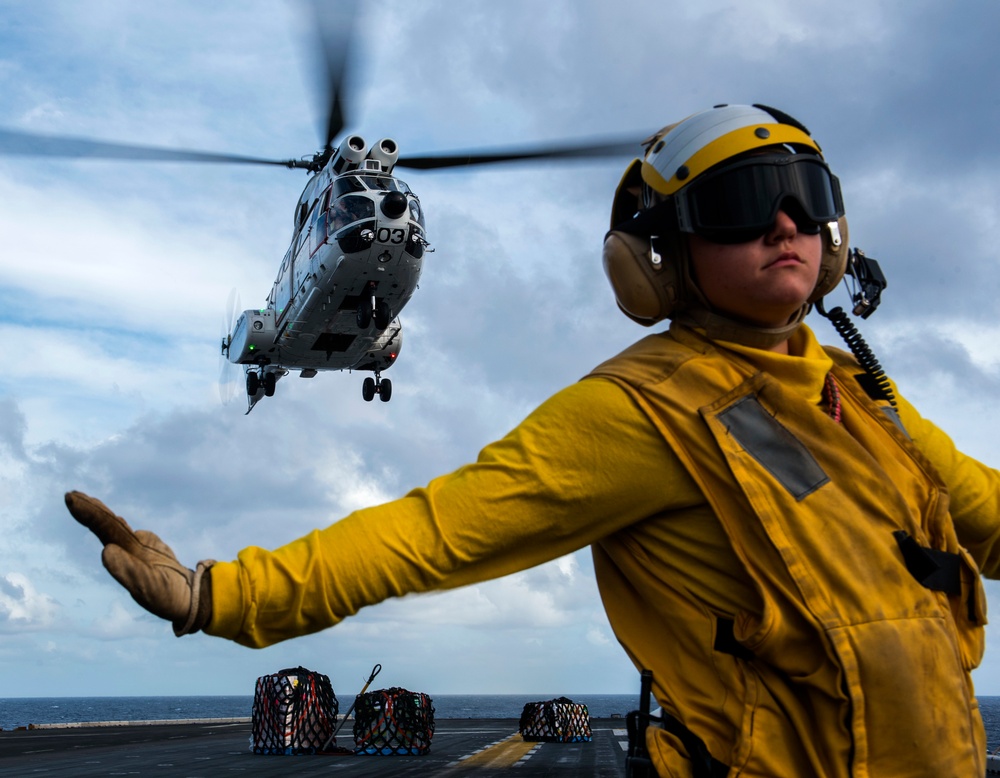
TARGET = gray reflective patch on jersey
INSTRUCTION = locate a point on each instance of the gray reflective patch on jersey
(774, 447)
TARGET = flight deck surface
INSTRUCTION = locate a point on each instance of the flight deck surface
(460, 747)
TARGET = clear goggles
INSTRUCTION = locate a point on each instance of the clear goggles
(740, 202)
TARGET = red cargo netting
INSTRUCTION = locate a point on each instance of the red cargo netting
(393, 721)
(555, 721)
(294, 712)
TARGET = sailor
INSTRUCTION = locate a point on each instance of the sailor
(778, 535)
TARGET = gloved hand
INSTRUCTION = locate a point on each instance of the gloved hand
(146, 566)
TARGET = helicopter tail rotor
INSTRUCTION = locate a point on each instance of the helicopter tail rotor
(230, 375)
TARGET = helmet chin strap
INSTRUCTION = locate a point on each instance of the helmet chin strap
(719, 327)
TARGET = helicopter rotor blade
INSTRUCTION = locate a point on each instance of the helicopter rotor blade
(613, 147)
(334, 24)
(16, 142)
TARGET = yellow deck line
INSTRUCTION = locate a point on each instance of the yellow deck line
(504, 753)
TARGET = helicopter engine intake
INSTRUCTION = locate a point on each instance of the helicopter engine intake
(349, 154)
(385, 152)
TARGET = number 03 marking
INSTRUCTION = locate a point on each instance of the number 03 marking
(386, 235)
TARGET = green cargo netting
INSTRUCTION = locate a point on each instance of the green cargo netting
(555, 721)
(294, 712)
(393, 721)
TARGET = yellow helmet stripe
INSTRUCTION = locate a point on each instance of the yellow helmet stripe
(725, 147)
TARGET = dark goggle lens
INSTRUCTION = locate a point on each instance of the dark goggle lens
(740, 203)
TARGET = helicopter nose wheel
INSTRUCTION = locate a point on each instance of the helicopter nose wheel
(371, 308)
(377, 385)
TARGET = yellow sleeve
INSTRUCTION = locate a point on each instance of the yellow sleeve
(973, 488)
(583, 465)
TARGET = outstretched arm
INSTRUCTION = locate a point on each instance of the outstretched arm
(584, 465)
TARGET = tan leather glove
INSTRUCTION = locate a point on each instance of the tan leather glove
(146, 566)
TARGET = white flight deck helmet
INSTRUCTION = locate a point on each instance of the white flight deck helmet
(646, 254)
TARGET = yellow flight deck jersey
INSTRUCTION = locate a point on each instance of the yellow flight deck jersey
(800, 588)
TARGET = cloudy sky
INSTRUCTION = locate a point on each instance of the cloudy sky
(114, 279)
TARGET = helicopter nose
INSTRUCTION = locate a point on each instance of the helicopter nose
(394, 204)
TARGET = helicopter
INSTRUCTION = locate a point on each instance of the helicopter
(358, 241)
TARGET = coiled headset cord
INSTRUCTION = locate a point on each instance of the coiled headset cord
(862, 352)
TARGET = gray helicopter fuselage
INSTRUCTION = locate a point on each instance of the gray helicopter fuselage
(353, 264)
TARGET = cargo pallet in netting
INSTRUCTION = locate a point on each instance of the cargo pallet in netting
(294, 712)
(556, 721)
(393, 721)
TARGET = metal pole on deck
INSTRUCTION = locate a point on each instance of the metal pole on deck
(375, 671)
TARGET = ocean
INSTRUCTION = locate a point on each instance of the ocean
(23, 711)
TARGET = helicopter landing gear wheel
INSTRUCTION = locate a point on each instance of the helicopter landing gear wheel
(383, 314)
(270, 379)
(253, 383)
(364, 315)
(367, 306)
(376, 386)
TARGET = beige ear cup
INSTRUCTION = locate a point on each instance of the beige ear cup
(645, 285)
(834, 261)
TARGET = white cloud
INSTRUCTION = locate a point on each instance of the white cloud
(22, 607)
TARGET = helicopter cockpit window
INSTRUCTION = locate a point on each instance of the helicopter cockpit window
(349, 209)
(346, 185)
(417, 213)
(385, 184)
